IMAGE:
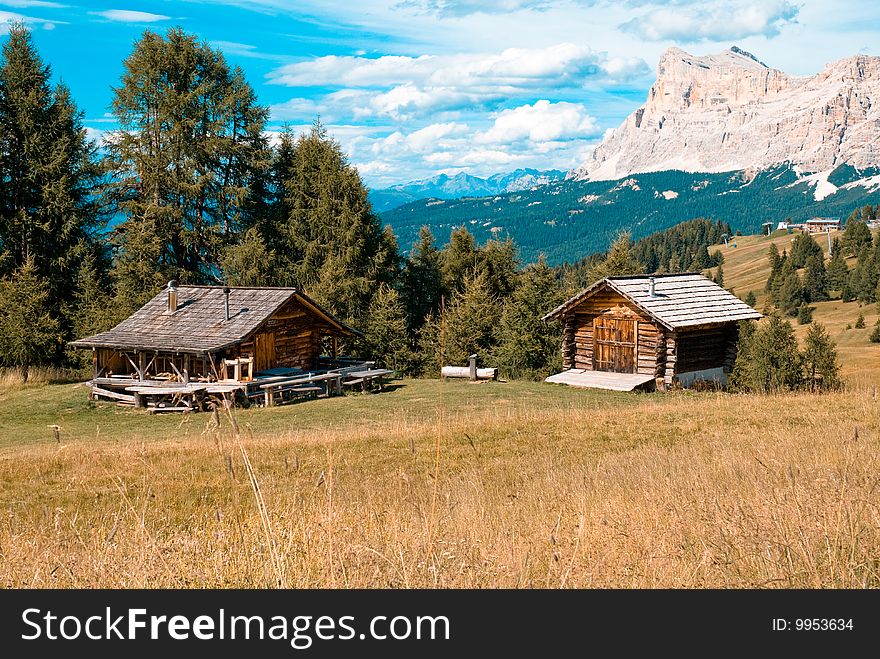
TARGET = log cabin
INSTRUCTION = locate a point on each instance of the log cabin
(212, 334)
(649, 332)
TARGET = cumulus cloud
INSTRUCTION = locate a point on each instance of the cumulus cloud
(468, 7)
(127, 16)
(514, 66)
(542, 121)
(716, 22)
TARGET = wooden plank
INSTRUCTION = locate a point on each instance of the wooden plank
(106, 393)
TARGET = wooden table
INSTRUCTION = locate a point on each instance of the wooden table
(181, 398)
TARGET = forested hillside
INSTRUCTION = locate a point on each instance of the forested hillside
(568, 220)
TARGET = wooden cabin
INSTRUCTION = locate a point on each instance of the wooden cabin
(647, 331)
(205, 334)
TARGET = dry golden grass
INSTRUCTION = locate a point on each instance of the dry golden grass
(681, 490)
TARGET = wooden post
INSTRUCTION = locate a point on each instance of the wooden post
(94, 364)
(186, 368)
(268, 396)
(472, 367)
(142, 365)
(335, 347)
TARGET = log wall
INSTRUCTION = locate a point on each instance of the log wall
(702, 349)
(578, 333)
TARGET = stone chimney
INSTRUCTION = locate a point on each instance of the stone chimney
(651, 282)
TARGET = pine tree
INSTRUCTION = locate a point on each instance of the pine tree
(805, 314)
(189, 154)
(48, 214)
(821, 368)
(498, 260)
(422, 280)
(29, 335)
(875, 333)
(860, 321)
(838, 272)
(815, 280)
(527, 346)
(719, 276)
(331, 243)
(93, 311)
(385, 332)
(751, 300)
(620, 260)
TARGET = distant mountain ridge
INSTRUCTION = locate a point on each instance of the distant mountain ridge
(461, 185)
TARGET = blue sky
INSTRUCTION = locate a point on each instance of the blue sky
(412, 88)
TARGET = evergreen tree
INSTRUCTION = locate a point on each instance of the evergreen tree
(856, 235)
(620, 261)
(768, 359)
(860, 321)
(776, 262)
(93, 311)
(331, 243)
(385, 332)
(248, 262)
(875, 333)
(719, 276)
(29, 335)
(751, 300)
(460, 259)
(791, 294)
(805, 314)
(48, 214)
(803, 247)
(422, 280)
(821, 368)
(527, 346)
(838, 272)
(498, 260)
(865, 277)
(470, 322)
(815, 280)
(185, 163)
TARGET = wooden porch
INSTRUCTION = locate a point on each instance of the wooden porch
(585, 379)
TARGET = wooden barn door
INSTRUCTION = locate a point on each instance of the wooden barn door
(614, 344)
(264, 351)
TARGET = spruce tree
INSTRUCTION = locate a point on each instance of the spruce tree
(620, 260)
(791, 294)
(498, 260)
(422, 280)
(385, 332)
(189, 154)
(821, 368)
(856, 235)
(331, 243)
(29, 334)
(48, 212)
(719, 276)
(838, 272)
(776, 262)
(751, 300)
(460, 259)
(815, 280)
(803, 247)
(248, 262)
(528, 347)
(470, 322)
(768, 359)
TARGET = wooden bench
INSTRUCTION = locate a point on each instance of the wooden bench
(367, 377)
(304, 384)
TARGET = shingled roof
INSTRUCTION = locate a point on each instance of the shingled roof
(679, 301)
(199, 324)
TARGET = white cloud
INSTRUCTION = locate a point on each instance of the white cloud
(26, 4)
(469, 7)
(714, 22)
(562, 62)
(7, 18)
(540, 122)
(127, 16)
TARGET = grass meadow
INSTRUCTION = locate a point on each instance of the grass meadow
(444, 484)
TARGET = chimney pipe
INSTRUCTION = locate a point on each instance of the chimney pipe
(651, 282)
(226, 292)
(172, 296)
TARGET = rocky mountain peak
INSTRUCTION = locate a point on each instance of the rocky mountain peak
(730, 111)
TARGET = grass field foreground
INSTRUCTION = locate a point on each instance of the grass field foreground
(447, 485)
